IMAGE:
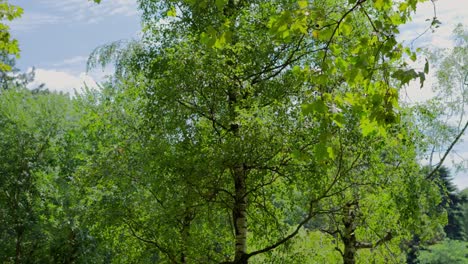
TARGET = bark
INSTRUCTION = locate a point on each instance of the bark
(239, 173)
(18, 249)
(240, 215)
(348, 235)
(349, 253)
(73, 247)
(185, 234)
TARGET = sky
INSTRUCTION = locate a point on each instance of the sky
(57, 36)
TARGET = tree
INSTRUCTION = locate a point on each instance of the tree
(464, 194)
(446, 122)
(8, 46)
(24, 145)
(254, 97)
(452, 201)
(449, 251)
(9, 49)
(13, 77)
(386, 196)
(442, 123)
(39, 206)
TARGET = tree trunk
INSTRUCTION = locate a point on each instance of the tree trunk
(349, 254)
(18, 249)
(413, 250)
(348, 236)
(185, 234)
(240, 214)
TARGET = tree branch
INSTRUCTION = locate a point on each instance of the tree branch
(431, 175)
(384, 239)
(358, 3)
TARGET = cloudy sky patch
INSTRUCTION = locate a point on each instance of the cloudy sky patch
(39, 13)
(61, 81)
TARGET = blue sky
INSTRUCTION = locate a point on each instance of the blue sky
(56, 37)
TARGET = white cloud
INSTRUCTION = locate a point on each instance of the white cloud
(73, 11)
(75, 66)
(74, 61)
(56, 80)
(89, 12)
(33, 20)
(448, 12)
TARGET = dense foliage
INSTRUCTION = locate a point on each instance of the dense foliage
(8, 46)
(231, 132)
(449, 251)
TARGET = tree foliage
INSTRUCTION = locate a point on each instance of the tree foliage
(272, 107)
(232, 132)
(449, 251)
(8, 46)
(40, 212)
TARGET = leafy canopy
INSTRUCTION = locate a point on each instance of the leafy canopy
(8, 45)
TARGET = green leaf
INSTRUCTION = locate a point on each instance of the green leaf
(422, 78)
(220, 4)
(405, 76)
(368, 127)
(172, 12)
(379, 4)
(402, 7)
(346, 29)
(302, 4)
(426, 67)
(209, 38)
(321, 151)
(331, 153)
(325, 34)
(338, 119)
(318, 106)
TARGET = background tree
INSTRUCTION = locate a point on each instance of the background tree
(442, 122)
(449, 251)
(14, 77)
(8, 46)
(453, 201)
(39, 206)
(446, 122)
(464, 194)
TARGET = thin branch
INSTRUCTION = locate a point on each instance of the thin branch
(263, 184)
(358, 3)
(199, 111)
(434, 18)
(370, 20)
(154, 243)
(441, 162)
(284, 239)
(384, 239)
(271, 68)
(281, 67)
